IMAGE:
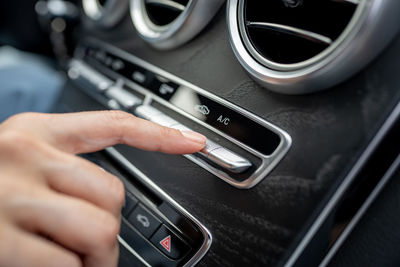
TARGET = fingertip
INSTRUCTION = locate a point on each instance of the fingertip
(195, 137)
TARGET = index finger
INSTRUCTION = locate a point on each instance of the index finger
(85, 132)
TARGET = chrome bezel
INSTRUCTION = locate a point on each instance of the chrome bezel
(354, 23)
(190, 22)
(337, 196)
(372, 27)
(105, 16)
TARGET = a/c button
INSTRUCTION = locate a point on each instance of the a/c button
(169, 243)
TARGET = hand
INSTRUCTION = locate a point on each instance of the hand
(57, 209)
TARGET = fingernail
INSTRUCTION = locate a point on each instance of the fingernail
(194, 137)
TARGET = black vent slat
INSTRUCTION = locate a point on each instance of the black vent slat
(175, 6)
(102, 2)
(309, 27)
(163, 12)
(286, 49)
(354, 2)
(325, 17)
(312, 36)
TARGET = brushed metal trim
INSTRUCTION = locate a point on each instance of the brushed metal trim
(371, 29)
(189, 23)
(132, 251)
(340, 191)
(361, 212)
(107, 15)
(268, 162)
(148, 182)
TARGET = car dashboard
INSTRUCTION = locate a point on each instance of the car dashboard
(301, 115)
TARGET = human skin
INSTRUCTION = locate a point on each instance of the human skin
(57, 209)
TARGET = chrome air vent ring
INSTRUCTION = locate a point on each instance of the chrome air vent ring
(105, 13)
(371, 27)
(191, 17)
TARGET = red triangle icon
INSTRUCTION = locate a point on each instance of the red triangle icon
(166, 243)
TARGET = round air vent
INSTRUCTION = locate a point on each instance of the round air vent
(301, 46)
(105, 13)
(167, 24)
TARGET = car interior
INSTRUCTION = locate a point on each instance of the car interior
(298, 99)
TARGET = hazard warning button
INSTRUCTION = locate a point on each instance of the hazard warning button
(169, 243)
(166, 243)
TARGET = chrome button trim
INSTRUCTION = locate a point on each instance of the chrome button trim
(210, 146)
(180, 127)
(229, 160)
(123, 97)
(164, 120)
(147, 112)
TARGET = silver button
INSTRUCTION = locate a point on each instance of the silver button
(229, 160)
(180, 127)
(74, 73)
(152, 114)
(113, 104)
(219, 155)
(123, 97)
(147, 112)
(210, 146)
(164, 120)
(79, 71)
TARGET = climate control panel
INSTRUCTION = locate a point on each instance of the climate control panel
(241, 149)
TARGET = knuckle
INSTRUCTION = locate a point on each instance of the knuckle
(166, 132)
(15, 140)
(118, 191)
(118, 115)
(118, 119)
(72, 163)
(108, 231)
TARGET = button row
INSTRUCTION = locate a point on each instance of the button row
(149, 225)
(217, 154)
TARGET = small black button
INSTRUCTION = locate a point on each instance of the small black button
(144, 221)
(169, 243)
(130, 203)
